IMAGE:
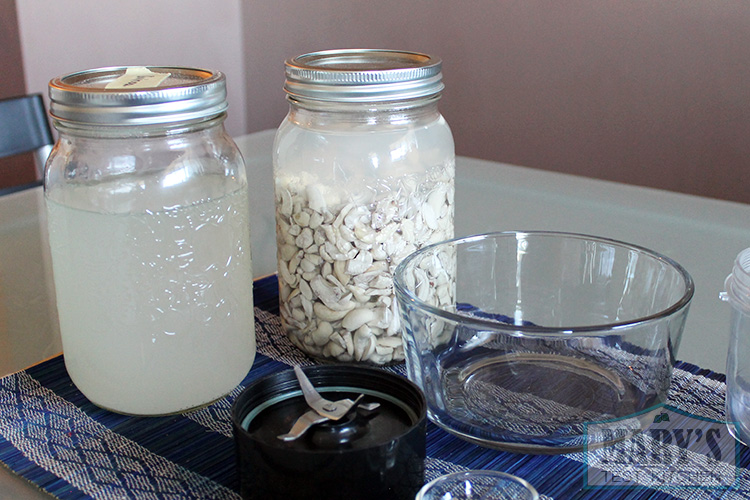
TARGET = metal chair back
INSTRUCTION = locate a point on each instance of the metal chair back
(24, 128)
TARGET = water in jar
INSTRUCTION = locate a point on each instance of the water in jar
(738, 376)
(350, 205)
(738, 410)
(156, 309)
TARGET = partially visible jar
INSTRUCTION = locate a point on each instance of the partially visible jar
(364, 172)
(148, 214)
(737, 293)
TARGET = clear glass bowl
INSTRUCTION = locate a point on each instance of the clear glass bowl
(478, 485)
(541, 342)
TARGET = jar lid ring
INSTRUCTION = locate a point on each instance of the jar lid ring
(363, 75)
(182, 94)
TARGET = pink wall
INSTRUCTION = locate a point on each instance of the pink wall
(11, 79)
(643, 92)
(61, 37)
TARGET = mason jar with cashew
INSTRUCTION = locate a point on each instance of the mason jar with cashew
(364, 172)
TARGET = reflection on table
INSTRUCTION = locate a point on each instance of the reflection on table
(704, 235)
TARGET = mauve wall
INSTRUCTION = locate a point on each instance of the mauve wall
(63, 36)
(654, 93)
(11, 78)
(649, 92)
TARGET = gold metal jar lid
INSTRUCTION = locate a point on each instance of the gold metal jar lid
(137, 95)
(363, 75)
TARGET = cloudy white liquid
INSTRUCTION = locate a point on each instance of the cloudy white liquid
(156, 309)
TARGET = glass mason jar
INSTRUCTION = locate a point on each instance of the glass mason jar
(147, 206)
(364, 171)
(737, 293)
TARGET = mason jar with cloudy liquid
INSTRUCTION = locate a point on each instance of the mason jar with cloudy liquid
(147, 206)
(364, 173)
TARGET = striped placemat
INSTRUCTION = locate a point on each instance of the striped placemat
(51, 435)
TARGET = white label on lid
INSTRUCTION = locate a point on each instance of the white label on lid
(138, 77)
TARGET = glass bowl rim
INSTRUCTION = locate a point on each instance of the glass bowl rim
(528, 330)
(467, 473)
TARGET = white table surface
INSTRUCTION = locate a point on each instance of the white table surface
(702, 234)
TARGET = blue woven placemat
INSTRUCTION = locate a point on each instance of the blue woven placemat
(51, 435)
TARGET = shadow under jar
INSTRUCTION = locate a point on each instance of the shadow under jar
(523, 340)
(364, 175)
